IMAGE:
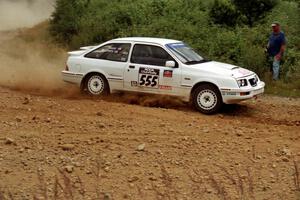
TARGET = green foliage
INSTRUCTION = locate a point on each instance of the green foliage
(231, 12)
(224, 12)
(254, 10)
(64, 23)
(198, 23)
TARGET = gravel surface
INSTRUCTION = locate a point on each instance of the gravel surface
(53, 147)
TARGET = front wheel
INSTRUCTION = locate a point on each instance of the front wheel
(207, 99)
(96, 85)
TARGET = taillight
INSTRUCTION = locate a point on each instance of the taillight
(67, 68)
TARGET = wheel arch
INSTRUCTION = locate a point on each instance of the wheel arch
(203, 83)
(89, 74)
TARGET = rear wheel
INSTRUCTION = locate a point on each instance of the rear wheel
(207, 99)
(96, 85)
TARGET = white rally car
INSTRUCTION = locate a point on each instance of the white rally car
(160, 66)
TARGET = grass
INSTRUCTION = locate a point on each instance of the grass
(224, 184)
(280, 88)
(297, 176)
(297, 179)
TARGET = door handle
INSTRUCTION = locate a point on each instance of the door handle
(131, 66)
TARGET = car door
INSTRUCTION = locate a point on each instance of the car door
(109, 59)
(147, 71)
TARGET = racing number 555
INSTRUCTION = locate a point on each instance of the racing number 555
(148, 80)
(148, 77)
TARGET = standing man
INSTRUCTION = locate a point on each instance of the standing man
(276, 48)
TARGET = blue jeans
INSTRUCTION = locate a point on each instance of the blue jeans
(276, 67)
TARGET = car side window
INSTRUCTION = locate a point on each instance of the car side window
(115, 52)
(150, 55)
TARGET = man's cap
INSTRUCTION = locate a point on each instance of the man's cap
(275, 24)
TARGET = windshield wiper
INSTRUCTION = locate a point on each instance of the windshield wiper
(192, 62)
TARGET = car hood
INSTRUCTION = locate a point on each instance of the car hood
(223, 69)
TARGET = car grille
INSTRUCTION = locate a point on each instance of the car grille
(253, 81)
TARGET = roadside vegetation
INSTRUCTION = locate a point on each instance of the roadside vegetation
(225, 30)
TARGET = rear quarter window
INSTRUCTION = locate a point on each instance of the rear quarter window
(114, 52)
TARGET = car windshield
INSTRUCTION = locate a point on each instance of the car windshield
(186, 54)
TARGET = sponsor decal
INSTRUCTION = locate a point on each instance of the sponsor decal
(243, 72)
(165, 87)
(149, 71)
(148, 77)
(168, 73)
(134, 84)
(229, 93)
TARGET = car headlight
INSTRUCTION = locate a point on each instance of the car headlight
(256, 78)
(242, 82)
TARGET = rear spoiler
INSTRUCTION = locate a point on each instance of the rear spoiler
(76, 53)
(87, 47)
(81, 51)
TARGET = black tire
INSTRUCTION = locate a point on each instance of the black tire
(207, 99)
(95, 85)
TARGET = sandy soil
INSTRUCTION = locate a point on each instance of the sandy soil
(137, 152)
(57, 144)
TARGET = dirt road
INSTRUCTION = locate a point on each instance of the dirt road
(79, 148)
(56, 144)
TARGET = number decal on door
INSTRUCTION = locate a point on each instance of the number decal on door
(148, 80)
(148, 77)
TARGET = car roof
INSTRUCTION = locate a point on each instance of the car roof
(161, 41)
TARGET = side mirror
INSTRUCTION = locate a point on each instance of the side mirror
(170, 63)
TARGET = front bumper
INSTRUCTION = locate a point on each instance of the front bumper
(231, 96)
(72, 77)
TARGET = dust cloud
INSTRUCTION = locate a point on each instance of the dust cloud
(29, 64)
(147, 100)
(24, 13)
(29, 61)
